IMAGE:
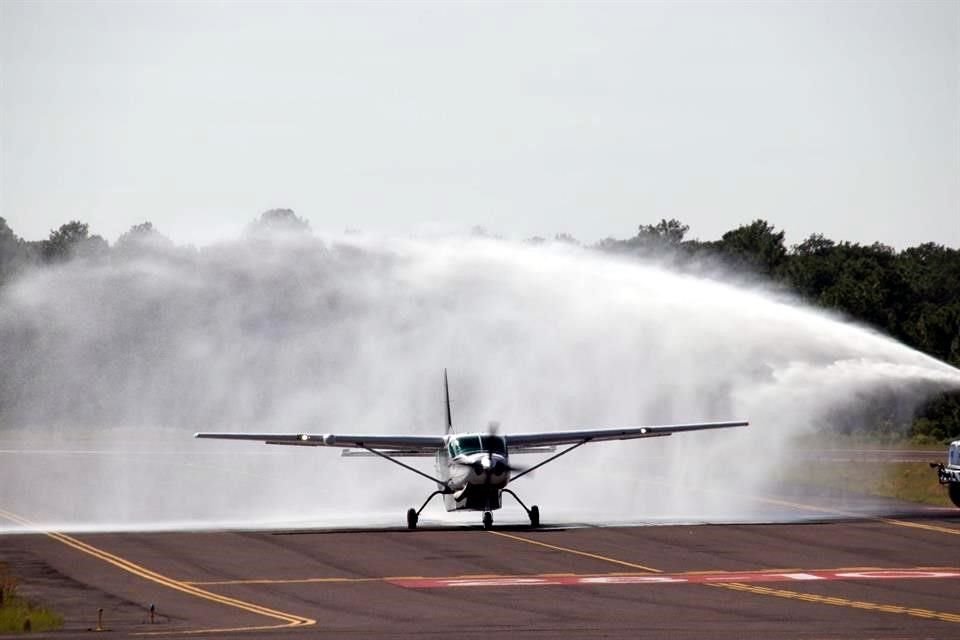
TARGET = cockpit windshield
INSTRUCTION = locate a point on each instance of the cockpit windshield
(461, 445)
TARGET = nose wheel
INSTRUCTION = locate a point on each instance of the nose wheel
(487, 520)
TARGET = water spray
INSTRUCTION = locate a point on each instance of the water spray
(109, 367)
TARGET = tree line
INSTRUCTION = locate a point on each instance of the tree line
(912, 295)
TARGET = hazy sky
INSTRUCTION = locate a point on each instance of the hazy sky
(587, 118)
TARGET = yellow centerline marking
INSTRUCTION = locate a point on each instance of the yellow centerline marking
(288, 619)
(839, 602)
(766, 591)
(577, 552)
(920, 525)
(839, 512)
(849, 514)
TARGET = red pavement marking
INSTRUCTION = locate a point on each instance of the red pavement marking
(677, 578)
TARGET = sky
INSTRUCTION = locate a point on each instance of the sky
(591, 118)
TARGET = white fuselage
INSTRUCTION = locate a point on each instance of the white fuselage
(475, 468)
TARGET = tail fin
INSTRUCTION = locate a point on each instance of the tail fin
(446, 393)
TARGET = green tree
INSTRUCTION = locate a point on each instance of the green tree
(664, 233)
(279, 220)
(142, 237)
(566, 238)
(811, 267)
(651, 239)
(815, 245)
(757, 247)
(71, 240)
(15, 254)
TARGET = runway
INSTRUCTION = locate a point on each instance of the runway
(891, 577)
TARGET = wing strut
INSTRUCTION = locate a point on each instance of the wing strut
(405, 466)
(550, 459)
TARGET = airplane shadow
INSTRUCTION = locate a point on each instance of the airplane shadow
(926, 514)
(544, 528)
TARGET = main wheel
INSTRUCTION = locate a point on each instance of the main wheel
(534, 516)
(954, 490)
(412, 518)
(487, 519)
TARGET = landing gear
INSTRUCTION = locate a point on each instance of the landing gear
(953, 490)
(413, 515)
(487, 520)
(533, 512)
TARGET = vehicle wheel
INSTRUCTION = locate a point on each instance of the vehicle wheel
(487, 520)
(534, 516)
(954, 490)
(412, 518)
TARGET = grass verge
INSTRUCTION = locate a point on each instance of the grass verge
(18, 614)
(908, 481)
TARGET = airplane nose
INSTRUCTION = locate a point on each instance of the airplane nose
(485, 465)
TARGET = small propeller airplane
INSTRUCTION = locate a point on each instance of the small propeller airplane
(473, 469)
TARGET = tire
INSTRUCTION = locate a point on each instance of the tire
(487, 520)
(412, 518)
(534, 516)
(954, 490)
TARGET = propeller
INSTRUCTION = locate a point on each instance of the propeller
(493, 466)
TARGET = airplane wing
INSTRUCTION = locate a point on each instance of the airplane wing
(547, 438)
(409, 443)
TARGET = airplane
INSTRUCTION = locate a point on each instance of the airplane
(473, 469)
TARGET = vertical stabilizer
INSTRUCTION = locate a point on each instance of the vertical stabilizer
(446, 394)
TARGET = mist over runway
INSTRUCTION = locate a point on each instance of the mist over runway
(109, 367)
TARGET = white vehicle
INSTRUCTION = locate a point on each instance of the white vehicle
(950, 474)
(473, 469)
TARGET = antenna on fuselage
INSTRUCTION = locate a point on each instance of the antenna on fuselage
(446, 393)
